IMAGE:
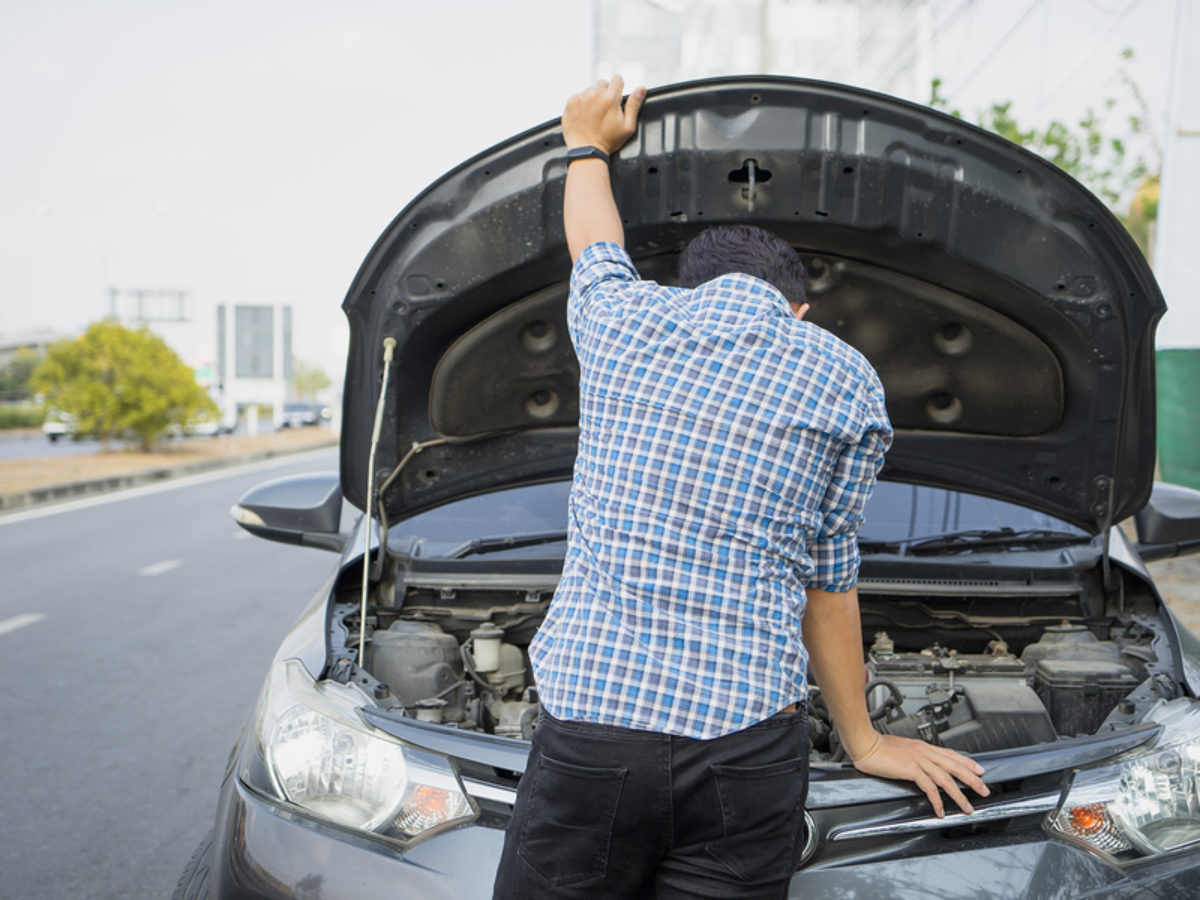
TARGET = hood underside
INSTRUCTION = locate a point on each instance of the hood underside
(1010, 316)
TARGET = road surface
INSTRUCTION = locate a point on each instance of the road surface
(135, 630)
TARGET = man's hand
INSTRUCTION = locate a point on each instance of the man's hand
(833, 638)
(928, 766)
(595, 116)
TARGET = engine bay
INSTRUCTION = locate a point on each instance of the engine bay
(956, 671)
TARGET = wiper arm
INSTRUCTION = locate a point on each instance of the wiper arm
(508, 542)
(986, 538)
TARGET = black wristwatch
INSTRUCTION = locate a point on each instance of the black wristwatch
(586, 152)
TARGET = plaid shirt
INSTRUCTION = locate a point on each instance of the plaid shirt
(726, 452)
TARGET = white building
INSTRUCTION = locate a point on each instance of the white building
(254, 357)
(1178, 227)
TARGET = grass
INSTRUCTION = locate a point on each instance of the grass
(20, 417)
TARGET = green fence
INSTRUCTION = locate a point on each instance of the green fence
(1179, 416)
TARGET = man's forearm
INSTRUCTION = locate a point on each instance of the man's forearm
(595, 117)
(833, 638)
(590, 212)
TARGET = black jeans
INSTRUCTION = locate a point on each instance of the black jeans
(605, 812)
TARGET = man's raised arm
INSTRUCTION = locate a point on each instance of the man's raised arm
(596, 118)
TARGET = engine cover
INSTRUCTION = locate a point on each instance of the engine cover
(968, 702)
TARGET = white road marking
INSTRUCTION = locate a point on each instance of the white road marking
(20, 621)
(171, 485)
(241, 535)
(159, 568)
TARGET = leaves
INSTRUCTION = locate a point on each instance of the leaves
(308, 380)
(118, 383)
(1087, 150)
(14, 377)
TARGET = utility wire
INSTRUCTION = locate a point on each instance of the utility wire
(886, 81)
(881, 21)
(999, 45)
(1113, 12)
(1095, 46)
(965, 44)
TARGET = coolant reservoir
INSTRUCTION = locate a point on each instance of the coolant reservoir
(485, 643)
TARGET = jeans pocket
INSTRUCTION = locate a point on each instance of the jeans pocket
(762, 812)
(568, 823)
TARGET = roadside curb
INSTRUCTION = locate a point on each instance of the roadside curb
(88, 487)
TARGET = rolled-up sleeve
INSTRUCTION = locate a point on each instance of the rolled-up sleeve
(835, 550)
(602, 281)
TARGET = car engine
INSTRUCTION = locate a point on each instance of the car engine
(457, 657)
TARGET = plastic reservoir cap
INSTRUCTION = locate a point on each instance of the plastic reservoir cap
(485, 647)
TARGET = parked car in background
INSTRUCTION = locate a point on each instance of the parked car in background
(1005, 613)
(299, 414)
(58, 424)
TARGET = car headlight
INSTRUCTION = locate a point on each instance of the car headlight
(314, 750)
(1145, 804)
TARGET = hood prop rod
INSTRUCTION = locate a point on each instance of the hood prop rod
(389, 349)
(1104, 509)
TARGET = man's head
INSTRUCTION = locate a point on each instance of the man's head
(723, 249)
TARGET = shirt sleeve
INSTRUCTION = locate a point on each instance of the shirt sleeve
(835, 550)
(602, 280)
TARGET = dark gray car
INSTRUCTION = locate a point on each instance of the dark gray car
(1005, 613)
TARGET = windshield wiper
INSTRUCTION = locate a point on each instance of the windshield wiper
(881, 546)
(976, 539)
(988, 538)
(509, 542)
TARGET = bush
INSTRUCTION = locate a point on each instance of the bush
(20, 417)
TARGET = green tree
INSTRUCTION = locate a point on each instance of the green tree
(14, 377)
(307, 380)
(1091, 150)
(118, 383)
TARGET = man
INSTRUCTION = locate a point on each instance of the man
(726, 451)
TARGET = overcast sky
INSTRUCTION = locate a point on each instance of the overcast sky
(251, 152)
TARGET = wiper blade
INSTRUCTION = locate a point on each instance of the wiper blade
(880, 546)
(988, 538)
(508, 542)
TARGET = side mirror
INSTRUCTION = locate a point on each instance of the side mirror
(1169, 525)
(297, 509)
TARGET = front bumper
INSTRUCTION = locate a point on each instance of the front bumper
(1044, 869)
(263, 850)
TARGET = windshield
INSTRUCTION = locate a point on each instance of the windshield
(897, 512)
(904, 512)
(537, 509)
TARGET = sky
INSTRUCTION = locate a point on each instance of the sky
(251, 152)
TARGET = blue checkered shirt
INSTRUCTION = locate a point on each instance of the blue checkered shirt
(726, 452)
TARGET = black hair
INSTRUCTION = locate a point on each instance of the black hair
(723, 249)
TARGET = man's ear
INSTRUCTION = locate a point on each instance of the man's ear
(798, 310)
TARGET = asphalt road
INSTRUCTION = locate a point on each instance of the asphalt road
(135, 630)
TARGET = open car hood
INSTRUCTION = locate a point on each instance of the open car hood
(1010, 316)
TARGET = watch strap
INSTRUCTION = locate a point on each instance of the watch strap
(586, 152)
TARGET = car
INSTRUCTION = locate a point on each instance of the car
(205, 425)
(58, 424)
(1007, 608)
(299, 414)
